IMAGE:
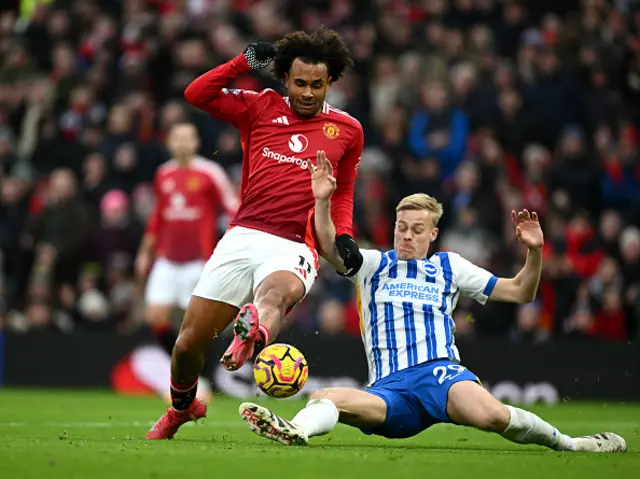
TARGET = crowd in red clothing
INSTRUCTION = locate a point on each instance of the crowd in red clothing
(487, 105)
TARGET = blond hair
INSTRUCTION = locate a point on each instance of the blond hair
(422, 201)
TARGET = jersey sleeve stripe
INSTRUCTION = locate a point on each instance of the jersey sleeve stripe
(488, 289)
(373, 321)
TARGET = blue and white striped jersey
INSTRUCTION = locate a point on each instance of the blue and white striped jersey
(406, 307)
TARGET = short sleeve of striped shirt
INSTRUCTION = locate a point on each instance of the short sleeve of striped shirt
(370, 263)
(473, 281)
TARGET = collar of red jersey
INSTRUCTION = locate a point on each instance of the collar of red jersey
(325, 105)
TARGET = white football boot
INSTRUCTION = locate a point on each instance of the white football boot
(603, 442)
(268, 424)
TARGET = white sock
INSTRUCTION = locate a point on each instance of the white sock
(319, 417)
(527, 428)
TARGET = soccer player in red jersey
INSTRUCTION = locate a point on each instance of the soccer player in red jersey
(267, 260)
(181, 233)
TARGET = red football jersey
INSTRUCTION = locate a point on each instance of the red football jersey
(188, 203)
(276, 188)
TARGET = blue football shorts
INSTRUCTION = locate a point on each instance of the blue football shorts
(416, 397)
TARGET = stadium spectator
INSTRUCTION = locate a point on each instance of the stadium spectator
(486, 105)
(117, 236)
(439, 130)
(61, 233)
(575, 171)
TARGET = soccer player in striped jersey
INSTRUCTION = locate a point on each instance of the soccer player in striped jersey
(406, 302)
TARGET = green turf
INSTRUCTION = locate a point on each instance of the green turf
(99, 435)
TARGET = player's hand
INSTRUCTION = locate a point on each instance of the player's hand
(143, 265)
(528, 230)
(259, 55)
(323, 183)
(350, 253)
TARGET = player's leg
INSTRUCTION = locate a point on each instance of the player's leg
(225, 283)
(286, 272)
(187, 281)
(276, 294)
(469, 404)
(167, 295)
(204, 320)
(354, 407)
(258, 323)
(323, 411)
(160, 298)
(158, 317)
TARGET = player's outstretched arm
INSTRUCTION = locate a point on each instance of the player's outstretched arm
(342, 208)
(323, 185)
(524, 287)
(342, 205)
(207, 92)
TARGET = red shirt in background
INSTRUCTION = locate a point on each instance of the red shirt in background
(188, 204)
(609, 325)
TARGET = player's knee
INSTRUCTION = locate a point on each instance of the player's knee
(280, 290)
(273, 298)
(336, 395)
(183, 345)
(494, 418)
(333, 395)
(320, 394)
(188, 342)
(355, 408)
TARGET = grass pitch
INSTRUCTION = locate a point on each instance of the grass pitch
(71, 434)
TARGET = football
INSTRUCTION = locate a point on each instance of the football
(280, 370)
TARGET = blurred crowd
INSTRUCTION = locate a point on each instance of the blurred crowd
(488, 105)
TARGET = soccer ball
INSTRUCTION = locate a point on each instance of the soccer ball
(280, 370)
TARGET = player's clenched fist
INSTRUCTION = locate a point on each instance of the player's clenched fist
(259, 55)
(323, 183)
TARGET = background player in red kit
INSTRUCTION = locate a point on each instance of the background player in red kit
(191, 193)
(267, 261)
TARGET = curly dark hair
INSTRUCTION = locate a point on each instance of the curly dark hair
(322, 46)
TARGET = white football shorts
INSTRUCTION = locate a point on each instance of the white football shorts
(171, 284)
(244, 257)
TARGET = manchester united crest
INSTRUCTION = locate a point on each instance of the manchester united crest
(193, 183)
(331, 130)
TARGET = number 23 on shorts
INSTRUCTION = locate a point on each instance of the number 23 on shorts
(448, 372)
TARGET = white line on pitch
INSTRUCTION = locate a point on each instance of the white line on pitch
(239, 423)
(101, 424)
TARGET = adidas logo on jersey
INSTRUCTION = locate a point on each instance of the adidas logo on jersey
(283, 120)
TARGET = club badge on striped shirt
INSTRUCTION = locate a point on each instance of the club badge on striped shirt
(432, 270)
